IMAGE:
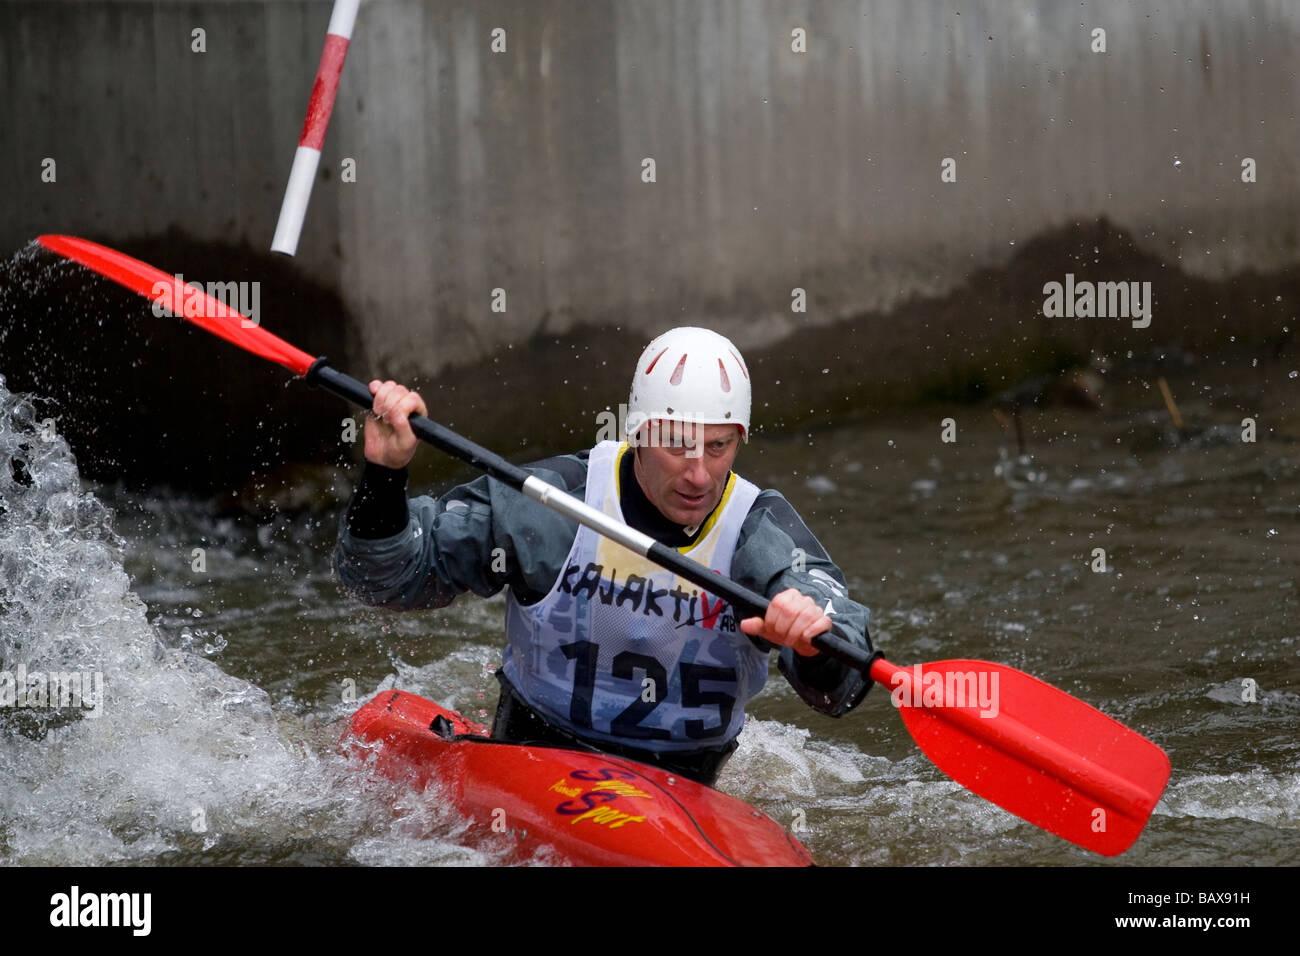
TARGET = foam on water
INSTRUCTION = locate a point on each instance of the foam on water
(780, 760)
(852, 807)
(1258, 796)
(184, 761)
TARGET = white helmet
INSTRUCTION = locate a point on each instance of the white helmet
(690, 374)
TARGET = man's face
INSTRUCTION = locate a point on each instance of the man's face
(683, 468)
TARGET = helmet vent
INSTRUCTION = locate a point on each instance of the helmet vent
(651, 367)
(722, 371)
(677, 372)
(740, 363)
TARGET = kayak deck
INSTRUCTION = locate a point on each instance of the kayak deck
(596, 809)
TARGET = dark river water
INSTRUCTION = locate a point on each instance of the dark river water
(226, 669)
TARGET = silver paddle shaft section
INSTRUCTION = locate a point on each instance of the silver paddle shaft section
(585, 514)
(746, 602)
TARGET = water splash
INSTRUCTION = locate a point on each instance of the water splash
(185, 762)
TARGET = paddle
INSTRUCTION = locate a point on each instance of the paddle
(1028, 747)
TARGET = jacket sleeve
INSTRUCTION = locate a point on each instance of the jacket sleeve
(776, 551)
(480, 536)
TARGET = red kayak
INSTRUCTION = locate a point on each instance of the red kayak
(597, 810)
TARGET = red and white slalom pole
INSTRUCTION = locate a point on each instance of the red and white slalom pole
(303, 174)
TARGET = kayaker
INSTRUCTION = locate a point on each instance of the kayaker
(605, 649)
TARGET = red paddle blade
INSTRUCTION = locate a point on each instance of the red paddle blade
(1032, 749)
(184, 301)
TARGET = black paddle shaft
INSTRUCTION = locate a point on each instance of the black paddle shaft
(750, 603)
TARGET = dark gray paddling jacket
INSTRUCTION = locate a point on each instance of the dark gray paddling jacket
(425, 552)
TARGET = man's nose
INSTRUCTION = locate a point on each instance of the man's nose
(696, 473)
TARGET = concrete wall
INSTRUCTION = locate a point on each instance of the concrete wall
(522, 170)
